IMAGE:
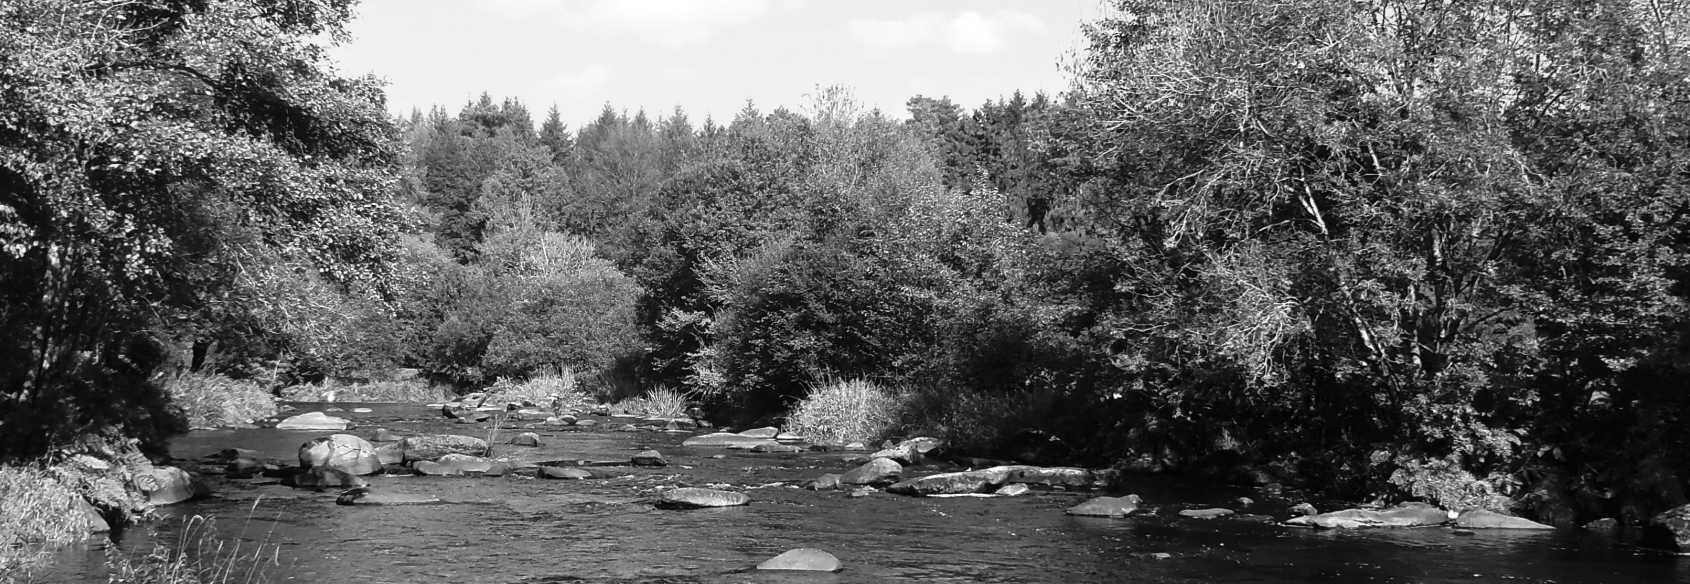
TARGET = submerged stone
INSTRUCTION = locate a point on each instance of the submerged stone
(1482, 519)
(313, 421)
(802, 559)
(1106, 507)
(1404, 515)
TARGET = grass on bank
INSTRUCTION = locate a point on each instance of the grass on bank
(387, 391)
(845, 411)
(200, 556)
(211, 401)
(659, 402)
(38, 513)
(555, 387)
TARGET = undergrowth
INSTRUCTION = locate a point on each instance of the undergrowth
(845, 411)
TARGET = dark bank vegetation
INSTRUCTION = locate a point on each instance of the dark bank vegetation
(1375, 248)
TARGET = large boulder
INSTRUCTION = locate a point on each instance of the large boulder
(802, 559)
(953, 483)
(1106, 507)
(1404, 515)
(724, 440)
(1482, 519)
(1210, 513)
(875, 472)
(456, 465)
(1671, 529)
(173, 485)
(696, 498)
(340, 451)
(313, 421)
(525, 439)
(434, 446)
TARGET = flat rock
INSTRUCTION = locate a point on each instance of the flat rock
(433, 446)
(777, 448)
(564, 472)
(696, 498)
(874, 472)
(802, 559)
(1603, 524)
(753, 445)
(343, 452)
(1013, 490)
(1404, 515)
(1053, 476)
(385, 435)
(362, 410)
(911, 451)
(1106, 507)
(1482, 519)
(722, 440)
(313, 421)
(585, 423)
(952, 483)
(379, 498)
(766, 432)
(1212, 513)
(525, 439)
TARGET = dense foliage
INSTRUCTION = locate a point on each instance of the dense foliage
(1382, 248)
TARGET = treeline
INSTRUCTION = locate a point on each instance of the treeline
(1374, 248)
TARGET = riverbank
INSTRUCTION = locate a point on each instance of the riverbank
(514, 526)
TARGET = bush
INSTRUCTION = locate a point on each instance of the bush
(386, 391)
(662, 402)
(842, 412)
(40, 512)
(554, 386)
(212, 401)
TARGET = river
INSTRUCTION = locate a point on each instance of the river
(514, 529)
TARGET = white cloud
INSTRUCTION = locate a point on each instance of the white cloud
(967, 32)
(593, 76)
(674, 22)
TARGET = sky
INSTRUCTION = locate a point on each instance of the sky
(710, 56)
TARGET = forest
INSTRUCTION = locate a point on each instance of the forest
(1382, 249)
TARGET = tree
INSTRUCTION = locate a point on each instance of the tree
(148, 152)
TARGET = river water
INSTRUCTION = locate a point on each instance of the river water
(513, 529)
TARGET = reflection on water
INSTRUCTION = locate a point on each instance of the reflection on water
(521, 530)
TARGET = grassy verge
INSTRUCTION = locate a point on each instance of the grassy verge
(405, 391)
(845, 411)
(557, 388)
(39, 513)
(214, 401)
(199, 556)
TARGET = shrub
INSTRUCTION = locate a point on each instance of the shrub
(211, 401)
(1444, 482)
(662, 402)
(40, 512)
(549, 385)
(840, 412)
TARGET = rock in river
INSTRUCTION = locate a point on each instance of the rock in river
(564, 472)
(722, 440)
(874, 472)
(1671, 529)
(696, 498)
(525, 439)
(1482, 519)
(343, 452)
(1404, 515)
(433, 446)
(1013, 490)
(1106, 507)
(805, 559)
(1214, 513)
(764, 433)
(174, 486)
(953, 483)
(313, 421)
(909, 451)
(649, 458)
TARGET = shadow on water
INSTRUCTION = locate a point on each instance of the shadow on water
(522, 530)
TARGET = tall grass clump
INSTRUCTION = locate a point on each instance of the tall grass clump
(556, 386)
(387, 391)
(660, 402)
(844, 411)
(209, 400)
(37, 513)
(199, 556)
